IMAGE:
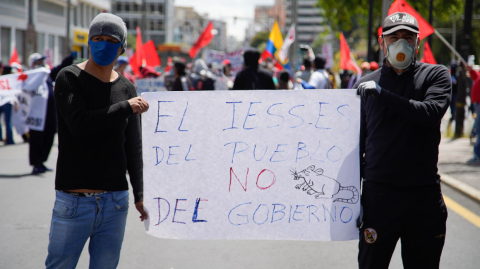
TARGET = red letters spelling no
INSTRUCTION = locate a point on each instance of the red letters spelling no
(244, 186)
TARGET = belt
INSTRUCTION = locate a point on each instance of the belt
(85, 194)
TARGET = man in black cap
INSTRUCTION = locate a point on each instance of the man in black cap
(402, 106)
(99, 140)
(253, 77)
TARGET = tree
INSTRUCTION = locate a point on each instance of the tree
(342, 15)
(259, 38)
(131, 41)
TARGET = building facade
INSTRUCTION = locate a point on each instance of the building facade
(41, 26)
(154, 17)
(308, 20)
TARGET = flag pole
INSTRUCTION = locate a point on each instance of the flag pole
(450, 47)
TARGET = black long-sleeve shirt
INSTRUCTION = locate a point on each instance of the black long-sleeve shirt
(254, 78)
(99, 136)
(400, 129)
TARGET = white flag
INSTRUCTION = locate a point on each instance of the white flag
(289, 39)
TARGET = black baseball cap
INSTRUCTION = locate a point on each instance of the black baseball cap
(398, 21)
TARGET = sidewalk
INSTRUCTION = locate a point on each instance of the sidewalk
(452, 167)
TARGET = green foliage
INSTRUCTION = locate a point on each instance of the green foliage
(131, 41)
(259, 38)
(345, 15)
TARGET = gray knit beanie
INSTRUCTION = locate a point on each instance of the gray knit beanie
(111, 25)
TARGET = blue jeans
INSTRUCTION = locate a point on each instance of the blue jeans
(101, 218)
(7, 109)
(476, 148)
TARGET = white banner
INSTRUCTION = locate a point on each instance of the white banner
(150, 85)
(31, 92)
(235, 57)
(327, 50)
(289, 39)
(261, 165)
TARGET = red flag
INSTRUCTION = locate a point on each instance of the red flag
(14, 58)
(425, 28)
(428, 55)
(169, 64)
(140, 53)
(346, 62)
(202, 40)
(151, 55)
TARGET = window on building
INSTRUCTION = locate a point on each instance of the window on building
(5, 41)
(135, 23)
(152, 25)
(61, 47)
(159, 25)
(40, 43)
(160, 8)
(75, 16)
(127, 7)
(127, 23)
(20, 3)
(51, 41)
(152, 7)
(118, 7)
(20, 44)
(137, 7)
(51, 8)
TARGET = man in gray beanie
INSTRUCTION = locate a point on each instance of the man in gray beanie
(99, 140)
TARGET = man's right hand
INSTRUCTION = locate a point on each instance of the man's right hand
(138, 104)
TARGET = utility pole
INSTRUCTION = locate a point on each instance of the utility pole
(370, 25)
(385, 8)
(430, 20)
(144, 21)
(295, 43)
(66, 49)
(462, 83)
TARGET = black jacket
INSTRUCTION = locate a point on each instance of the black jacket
(400, 129)
(254, 78)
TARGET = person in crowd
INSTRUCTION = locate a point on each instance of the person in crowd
(475, 99)
(331, 76)
(402, 105)
(41, 141)
(373, 66)
(453, 75)
(345, 76)
(227, 67)
(148, 72)
(181, 80)
(307, 72)
(99, 140)
(320, 78)
(283, 80)
(365, 67)
(121, 66)
(253, 77)
(6, 110)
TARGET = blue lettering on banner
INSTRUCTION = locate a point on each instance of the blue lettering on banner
(233, 117)
(249, 115)
(161, 116)
(246, 217)
(320, 115)
(290, 112)
(268, 112)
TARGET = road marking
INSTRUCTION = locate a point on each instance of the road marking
(462, 211)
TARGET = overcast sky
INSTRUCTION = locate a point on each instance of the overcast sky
(226, 10)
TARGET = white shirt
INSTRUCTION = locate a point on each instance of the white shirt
(319, 79)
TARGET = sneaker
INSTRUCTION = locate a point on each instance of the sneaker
(37, 169)
(46, 168)
(475, 161)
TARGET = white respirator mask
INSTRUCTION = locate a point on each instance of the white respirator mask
(400, 54)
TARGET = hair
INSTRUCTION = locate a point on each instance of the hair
(320, 61)
(251, 57)
(307, 63)
(284, 76)
(180, 67)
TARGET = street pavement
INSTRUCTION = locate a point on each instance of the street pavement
(26, 203)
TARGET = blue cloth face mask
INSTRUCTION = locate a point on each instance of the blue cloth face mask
(103, 52)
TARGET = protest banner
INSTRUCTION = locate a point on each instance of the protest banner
(30, 92)
(235, 57)
(327, 50)
(263, 165)
(150, 84)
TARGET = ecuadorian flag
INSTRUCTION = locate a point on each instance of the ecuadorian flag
(274, 44)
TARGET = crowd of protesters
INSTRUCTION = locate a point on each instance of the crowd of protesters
(96, 110)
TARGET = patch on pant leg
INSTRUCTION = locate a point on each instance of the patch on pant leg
(370, 235)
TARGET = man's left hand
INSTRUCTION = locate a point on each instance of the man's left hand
(369, 88)
(139, 206)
